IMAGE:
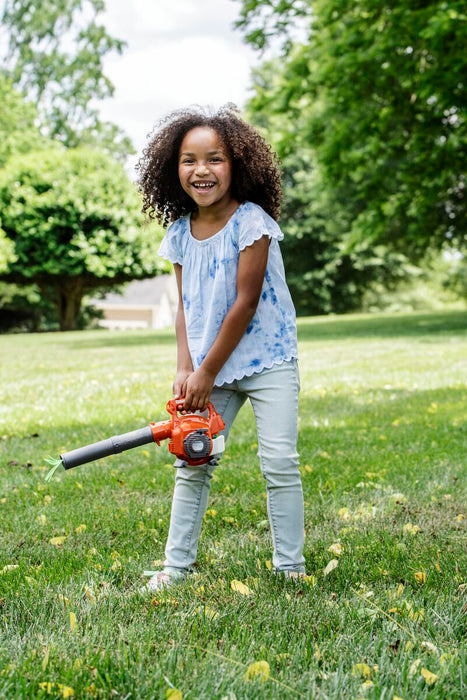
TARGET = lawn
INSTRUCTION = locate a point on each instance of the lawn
(383, 443)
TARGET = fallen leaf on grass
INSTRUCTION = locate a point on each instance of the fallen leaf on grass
(51, 688)
(334, 563)
(398, 498)
(8, 567)
(240, 587)
(81, 528)
(428, 676)
(414, 667)
(259, 669)
(366, 685)
(336, 549)
(362, 670)
(72, 622)
(420, 577)
(90, 595)
(344, 513)
(58, 541)
(173, 694)
(67, 692)
(209, 613)
(410, 529)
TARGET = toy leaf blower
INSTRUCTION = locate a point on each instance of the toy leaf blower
(193, 439)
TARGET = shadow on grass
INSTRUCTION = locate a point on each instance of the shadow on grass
(381, 326)
(123, 339)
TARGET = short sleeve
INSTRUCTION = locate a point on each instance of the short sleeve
(171, 247)
(254, 224)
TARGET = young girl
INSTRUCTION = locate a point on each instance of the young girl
(216, 181)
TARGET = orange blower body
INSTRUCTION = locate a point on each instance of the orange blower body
(190, 434)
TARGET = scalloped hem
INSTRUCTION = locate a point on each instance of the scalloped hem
(256, 370)
(172, 260)
(276, 236)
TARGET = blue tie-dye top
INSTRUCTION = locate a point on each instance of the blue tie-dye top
(209, 274)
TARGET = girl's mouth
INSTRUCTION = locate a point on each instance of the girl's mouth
(203, 186)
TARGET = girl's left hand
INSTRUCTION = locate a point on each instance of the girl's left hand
(198, 389)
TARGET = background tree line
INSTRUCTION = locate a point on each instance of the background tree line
(368, 113)
(364, 101)
(70, 217)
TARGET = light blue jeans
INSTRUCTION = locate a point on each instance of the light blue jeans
(274, 397)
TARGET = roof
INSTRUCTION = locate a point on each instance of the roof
(141, 292)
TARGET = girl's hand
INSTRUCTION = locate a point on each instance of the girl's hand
(198, 388)
(179, 385)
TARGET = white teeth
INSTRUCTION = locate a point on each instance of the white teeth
(203, 185)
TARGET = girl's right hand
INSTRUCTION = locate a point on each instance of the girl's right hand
(179, 385)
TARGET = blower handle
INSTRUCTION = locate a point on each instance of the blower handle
(175, 405)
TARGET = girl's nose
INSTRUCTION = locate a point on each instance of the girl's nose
(201, 169)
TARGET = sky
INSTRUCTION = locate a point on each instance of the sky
(179, 53)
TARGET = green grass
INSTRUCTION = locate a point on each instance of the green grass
(383, 449)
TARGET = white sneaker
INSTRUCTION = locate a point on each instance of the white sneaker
(160, 580)
(291, 575)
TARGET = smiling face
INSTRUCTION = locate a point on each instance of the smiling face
(205, 168)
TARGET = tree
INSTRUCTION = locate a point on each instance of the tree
(325, 274)
(55, 54)
(378, 89)
(74, 219)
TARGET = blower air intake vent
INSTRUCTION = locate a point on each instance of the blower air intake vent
(197, 445)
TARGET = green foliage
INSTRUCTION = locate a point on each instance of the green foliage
(326, 270)
(74, 219)
(6, 251)
(19, 132)
(55, 55)
(378, 91)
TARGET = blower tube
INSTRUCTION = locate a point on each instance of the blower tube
(104, 448)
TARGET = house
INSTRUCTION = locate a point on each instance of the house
(149, 303)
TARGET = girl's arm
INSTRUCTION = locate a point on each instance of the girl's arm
(184, 363)
(250, 276)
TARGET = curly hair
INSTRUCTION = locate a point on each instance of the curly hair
(255, 167)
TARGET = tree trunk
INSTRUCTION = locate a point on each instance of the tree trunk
(68, 296)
